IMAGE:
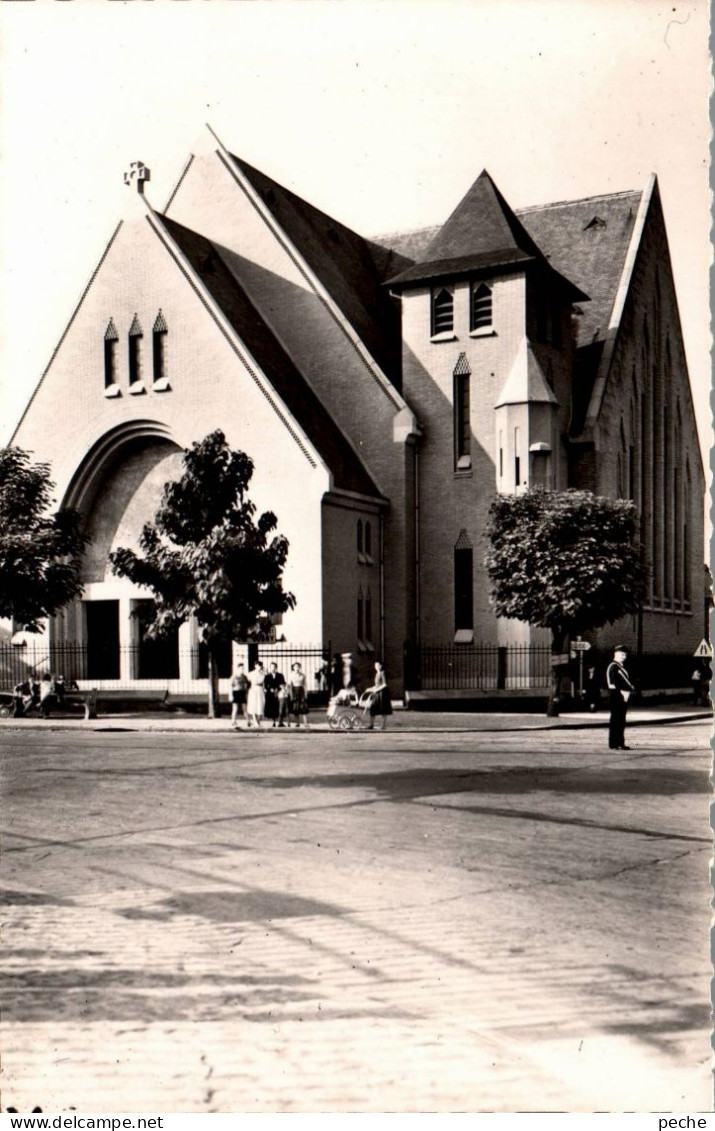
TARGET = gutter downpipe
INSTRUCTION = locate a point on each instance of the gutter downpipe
(418, 608)
(382, 585)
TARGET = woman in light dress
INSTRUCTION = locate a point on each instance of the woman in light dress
(256, 705)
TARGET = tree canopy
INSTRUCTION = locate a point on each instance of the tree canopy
(40, 552)
(564, 560)
(207, 555)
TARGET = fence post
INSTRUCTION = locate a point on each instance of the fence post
(502, 654)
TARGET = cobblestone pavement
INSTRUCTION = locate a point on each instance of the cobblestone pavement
(356, 923)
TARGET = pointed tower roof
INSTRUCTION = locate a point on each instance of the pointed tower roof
(526, 383)
(482, 233)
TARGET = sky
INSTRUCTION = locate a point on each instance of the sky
(382, 114)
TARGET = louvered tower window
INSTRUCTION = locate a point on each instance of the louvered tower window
(158, 342)
(111, 337)
(442, 311)
(481, 309)
(135, 359)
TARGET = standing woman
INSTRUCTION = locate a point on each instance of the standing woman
(273, 682)
(380, 704)
(256, 705)
(298, 697)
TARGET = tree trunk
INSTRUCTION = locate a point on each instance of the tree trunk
(558, 641)
(213, 712)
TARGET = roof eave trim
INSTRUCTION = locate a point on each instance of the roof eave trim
(408, 279)
(599, 386)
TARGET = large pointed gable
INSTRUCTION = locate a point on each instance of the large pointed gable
(350, 268)
(347, 470)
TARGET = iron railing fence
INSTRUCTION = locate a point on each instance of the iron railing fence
(485, 667)
(150, 666)
(478, 667)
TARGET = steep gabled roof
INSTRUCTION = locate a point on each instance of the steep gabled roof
(347, 470)
(483, 232)
(350, 268)
(588, 240)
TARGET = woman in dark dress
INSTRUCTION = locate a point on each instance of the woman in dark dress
(273, 681)
(380, 704)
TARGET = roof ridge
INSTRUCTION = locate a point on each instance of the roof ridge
(580, 200)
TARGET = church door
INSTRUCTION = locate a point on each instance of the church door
(102, 621)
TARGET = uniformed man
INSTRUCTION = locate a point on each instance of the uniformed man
(620, 690)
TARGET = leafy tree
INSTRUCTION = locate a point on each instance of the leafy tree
(40, 552)
(206, 555)
(564, 560)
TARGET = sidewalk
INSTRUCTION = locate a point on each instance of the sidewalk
(408, 722)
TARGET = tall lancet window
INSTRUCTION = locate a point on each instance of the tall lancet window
(462, 421)
(111, 337)
(159, 334)
(463, 589)
(135, 356)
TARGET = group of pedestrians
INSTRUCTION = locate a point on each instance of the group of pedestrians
(262, 695)
(259, 694)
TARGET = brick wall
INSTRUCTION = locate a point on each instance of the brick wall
(647, 407)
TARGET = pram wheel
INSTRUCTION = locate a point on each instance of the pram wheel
(346, 722)
(334, 722)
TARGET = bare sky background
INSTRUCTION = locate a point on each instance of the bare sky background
(381, 114)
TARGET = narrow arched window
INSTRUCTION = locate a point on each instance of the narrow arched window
(620, 469)
(463, 583)
(368, 541)
(111, 337)
(360, 541)
(462, 418)
(481, 307)
(158, 342)
(442, 311)
(360, 616)
(135, 358)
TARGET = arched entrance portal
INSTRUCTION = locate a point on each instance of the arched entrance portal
(117, 489)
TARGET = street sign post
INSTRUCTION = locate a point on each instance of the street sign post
(580, 646)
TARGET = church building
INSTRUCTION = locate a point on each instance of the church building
(385, 389)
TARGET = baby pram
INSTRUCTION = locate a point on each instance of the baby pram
(348, 711)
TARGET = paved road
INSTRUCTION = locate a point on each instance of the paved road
(356, 923)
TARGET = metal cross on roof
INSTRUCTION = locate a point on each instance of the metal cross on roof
(139, 174)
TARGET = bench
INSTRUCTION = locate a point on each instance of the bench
(91, 699)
